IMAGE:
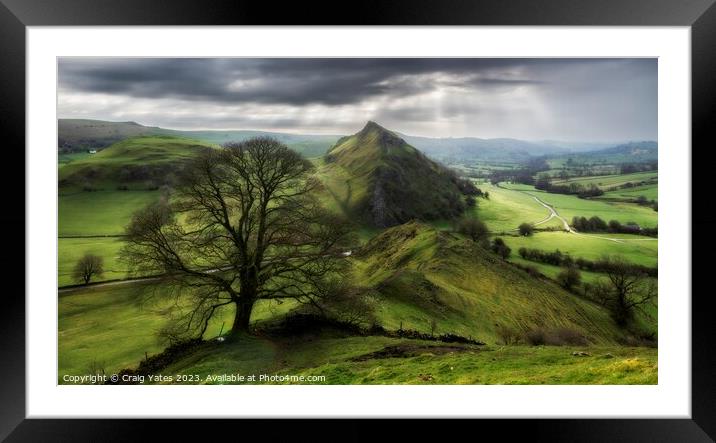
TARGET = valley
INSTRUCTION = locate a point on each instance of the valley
(418, 270)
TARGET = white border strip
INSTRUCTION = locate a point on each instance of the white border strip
(670, 398)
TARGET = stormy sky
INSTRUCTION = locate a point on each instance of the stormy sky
(596, 100)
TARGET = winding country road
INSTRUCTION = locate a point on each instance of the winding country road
(565, 223)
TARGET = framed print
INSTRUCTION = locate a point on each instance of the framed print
(232, 218)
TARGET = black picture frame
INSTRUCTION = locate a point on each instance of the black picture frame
(16, 15)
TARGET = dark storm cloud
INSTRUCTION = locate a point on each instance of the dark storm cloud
(289, 81)
(532, 98)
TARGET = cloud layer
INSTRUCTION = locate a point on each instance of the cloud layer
(565, 99)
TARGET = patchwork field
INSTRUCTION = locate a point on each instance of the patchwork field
(608, 181)
(651, 192)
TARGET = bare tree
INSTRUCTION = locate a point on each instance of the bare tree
(569, 277)
(242, 225)
(625, 290)
(87, 267)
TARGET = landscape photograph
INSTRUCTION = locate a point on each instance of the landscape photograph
(370, 221)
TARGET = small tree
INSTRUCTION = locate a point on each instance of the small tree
(569, 277)
(473, 228)
(87, 267)
(626, 289)
(433, 327)
(500, 248)
(526, 229)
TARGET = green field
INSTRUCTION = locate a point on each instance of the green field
(506, 209)
(64, 159)
(637, 249)
(569, 206)
(115, 325)
(100, 212)
(608, 181)
(651, 192)
(70, 250)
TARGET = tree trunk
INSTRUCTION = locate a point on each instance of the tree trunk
(242, 317)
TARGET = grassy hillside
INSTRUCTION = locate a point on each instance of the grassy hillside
(379, 179)
(78, 135)
(113, 326)
(310, 146)
(137, 163)
(423, 274)
(383, 360)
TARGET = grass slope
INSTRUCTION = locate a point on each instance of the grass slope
(136, 162)
(76, 135)
(115, 325)
(358, 360)
(376, 177)
(506, 209)
(423, 274)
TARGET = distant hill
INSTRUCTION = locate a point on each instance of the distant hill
(645, 149)
(143, 162)
(423, 274)
(634, 152)
(471, 148)
(81, 135)
(383, 181)
(74, 135)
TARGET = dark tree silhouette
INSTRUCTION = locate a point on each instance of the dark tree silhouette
(569, 277)
(473, 228)
(500, 248)
(526, 229)
(242, 225)
(625, 290)
(87, 267)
